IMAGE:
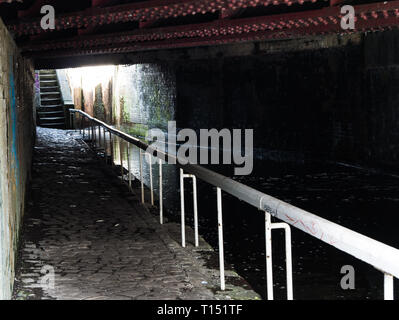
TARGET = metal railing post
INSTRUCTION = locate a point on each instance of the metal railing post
(104, 139)
(104, 144)
(288, 256)
(81, 125)
(221, 243)
(128, 165)
(183, 218)
(121, 158)
(388, 287)
(195, 205)
(111, 141)
(88, 131)
(195, 211)
(93, 138)
(71, 115)
(269, 264)
(105, 148)
(151, 184)
(141, 177)
(160, 193)
(99, 137)
(269, 226)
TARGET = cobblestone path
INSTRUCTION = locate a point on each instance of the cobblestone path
(85, 236)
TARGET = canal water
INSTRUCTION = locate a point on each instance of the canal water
(361, 200)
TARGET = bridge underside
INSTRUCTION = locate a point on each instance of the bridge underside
(109, 27)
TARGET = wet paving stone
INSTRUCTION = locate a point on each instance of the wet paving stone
(86, 237)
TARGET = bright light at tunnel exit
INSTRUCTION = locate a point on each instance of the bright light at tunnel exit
(89, 77)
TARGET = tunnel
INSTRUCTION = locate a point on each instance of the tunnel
(199, 150)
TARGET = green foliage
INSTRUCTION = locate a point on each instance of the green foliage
(99, 109)
(83, 99)
(138, 130)
(124, 110)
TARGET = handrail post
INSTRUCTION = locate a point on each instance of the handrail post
(221, 243)
(88, 132)
(160, 193)
(99, 137)
(151, 184)
(141, 176)
(128, 165)
(111, 141)
(121, 158)
(288, 256)
(71, 116)
(388, 287)
(183, 219)
(195, 211)
(93, 139)
(195, 205)
(81, 125)
(104, 142)
(105, 147)
(288, 261)
(269, 264)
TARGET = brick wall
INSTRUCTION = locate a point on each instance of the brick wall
(16, 143)
(338, 103)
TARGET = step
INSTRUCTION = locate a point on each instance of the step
(51, 93)
(49, 75)
(45, 95)
(45, 71)
(51, 112)
(51, 106)
(41, 79)
(49, 103)
(48, 84)
(47, 120)
(47, 81)
(55, 88)
(49, 99)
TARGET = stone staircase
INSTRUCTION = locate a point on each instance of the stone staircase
(50, 114)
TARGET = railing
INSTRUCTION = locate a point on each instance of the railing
(381, 256)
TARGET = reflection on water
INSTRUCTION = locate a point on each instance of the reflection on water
(122, 149)
(363, 201)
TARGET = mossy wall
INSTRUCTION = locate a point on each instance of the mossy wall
(136, 97)
(145, 97)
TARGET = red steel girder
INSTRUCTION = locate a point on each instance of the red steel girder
(216, 28)
(308, 22)
(142, 11)
(179, 43)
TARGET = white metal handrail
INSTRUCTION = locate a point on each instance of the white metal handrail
(381, 256)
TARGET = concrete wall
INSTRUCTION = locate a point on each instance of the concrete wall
(16, 144)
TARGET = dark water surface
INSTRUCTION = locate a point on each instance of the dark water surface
(361, 200)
